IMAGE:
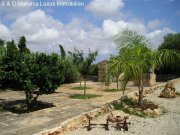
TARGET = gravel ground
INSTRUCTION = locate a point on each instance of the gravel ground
(166, 124)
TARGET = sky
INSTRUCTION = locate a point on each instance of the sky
(90, 24)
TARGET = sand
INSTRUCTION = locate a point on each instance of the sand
(166, 124)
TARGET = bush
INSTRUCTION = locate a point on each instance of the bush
(70, 71)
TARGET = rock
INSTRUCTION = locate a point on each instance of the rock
(149, 111)
(145, 111)
(168, 91)
(116, 113)
(156, 112)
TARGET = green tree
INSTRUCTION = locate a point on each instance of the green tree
(34, 73)
(62, 51)
(22, 45)
(136, 57)
(2, 54)
(9, 74)
(78, 60)
(171, 42)
(94, 70)
(87, 65)
(70, 70)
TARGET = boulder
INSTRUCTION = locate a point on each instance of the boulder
(168, 91)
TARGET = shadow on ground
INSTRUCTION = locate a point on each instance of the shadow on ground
(19, 106)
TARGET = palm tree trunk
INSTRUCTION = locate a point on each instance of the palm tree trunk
(140, 100)
(85, 86)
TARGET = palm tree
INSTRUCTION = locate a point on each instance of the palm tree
(136, 58)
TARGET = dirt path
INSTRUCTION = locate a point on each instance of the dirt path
(65, 108)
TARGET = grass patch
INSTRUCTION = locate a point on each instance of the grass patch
(124, 107)
(112, 90)
(130, 106)
(81, 96)
(79, 88)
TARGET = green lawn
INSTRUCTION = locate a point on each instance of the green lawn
(81, 96)
(79, 88)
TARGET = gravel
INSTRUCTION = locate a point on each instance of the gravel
(166, 124)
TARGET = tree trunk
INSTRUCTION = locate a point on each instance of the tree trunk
(117, 83)
(31, 100)
(140, 100)
(80, 80)
(85, 86)
(27, 99)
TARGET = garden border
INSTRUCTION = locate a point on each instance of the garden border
(73, 123)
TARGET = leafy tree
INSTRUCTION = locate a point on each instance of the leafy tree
(62, 51)
(136, 57)
(94, 70)
(77, 59)
(2, 54)
(9, 74)
(70, 70)
(87, 65)
(22, 45)
(35, 73)
(2, 51)
(171, 42)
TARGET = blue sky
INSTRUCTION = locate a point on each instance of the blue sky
(91, 25)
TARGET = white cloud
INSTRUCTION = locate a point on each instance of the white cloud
(4, 32)
(105, 8)
(113, 27)
(44, 33)
(154, 24)
(156, 37)
(37, 27)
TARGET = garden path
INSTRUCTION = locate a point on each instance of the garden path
(65, 108)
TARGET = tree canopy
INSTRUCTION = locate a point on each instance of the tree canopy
(34, 73)
(171, 42)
